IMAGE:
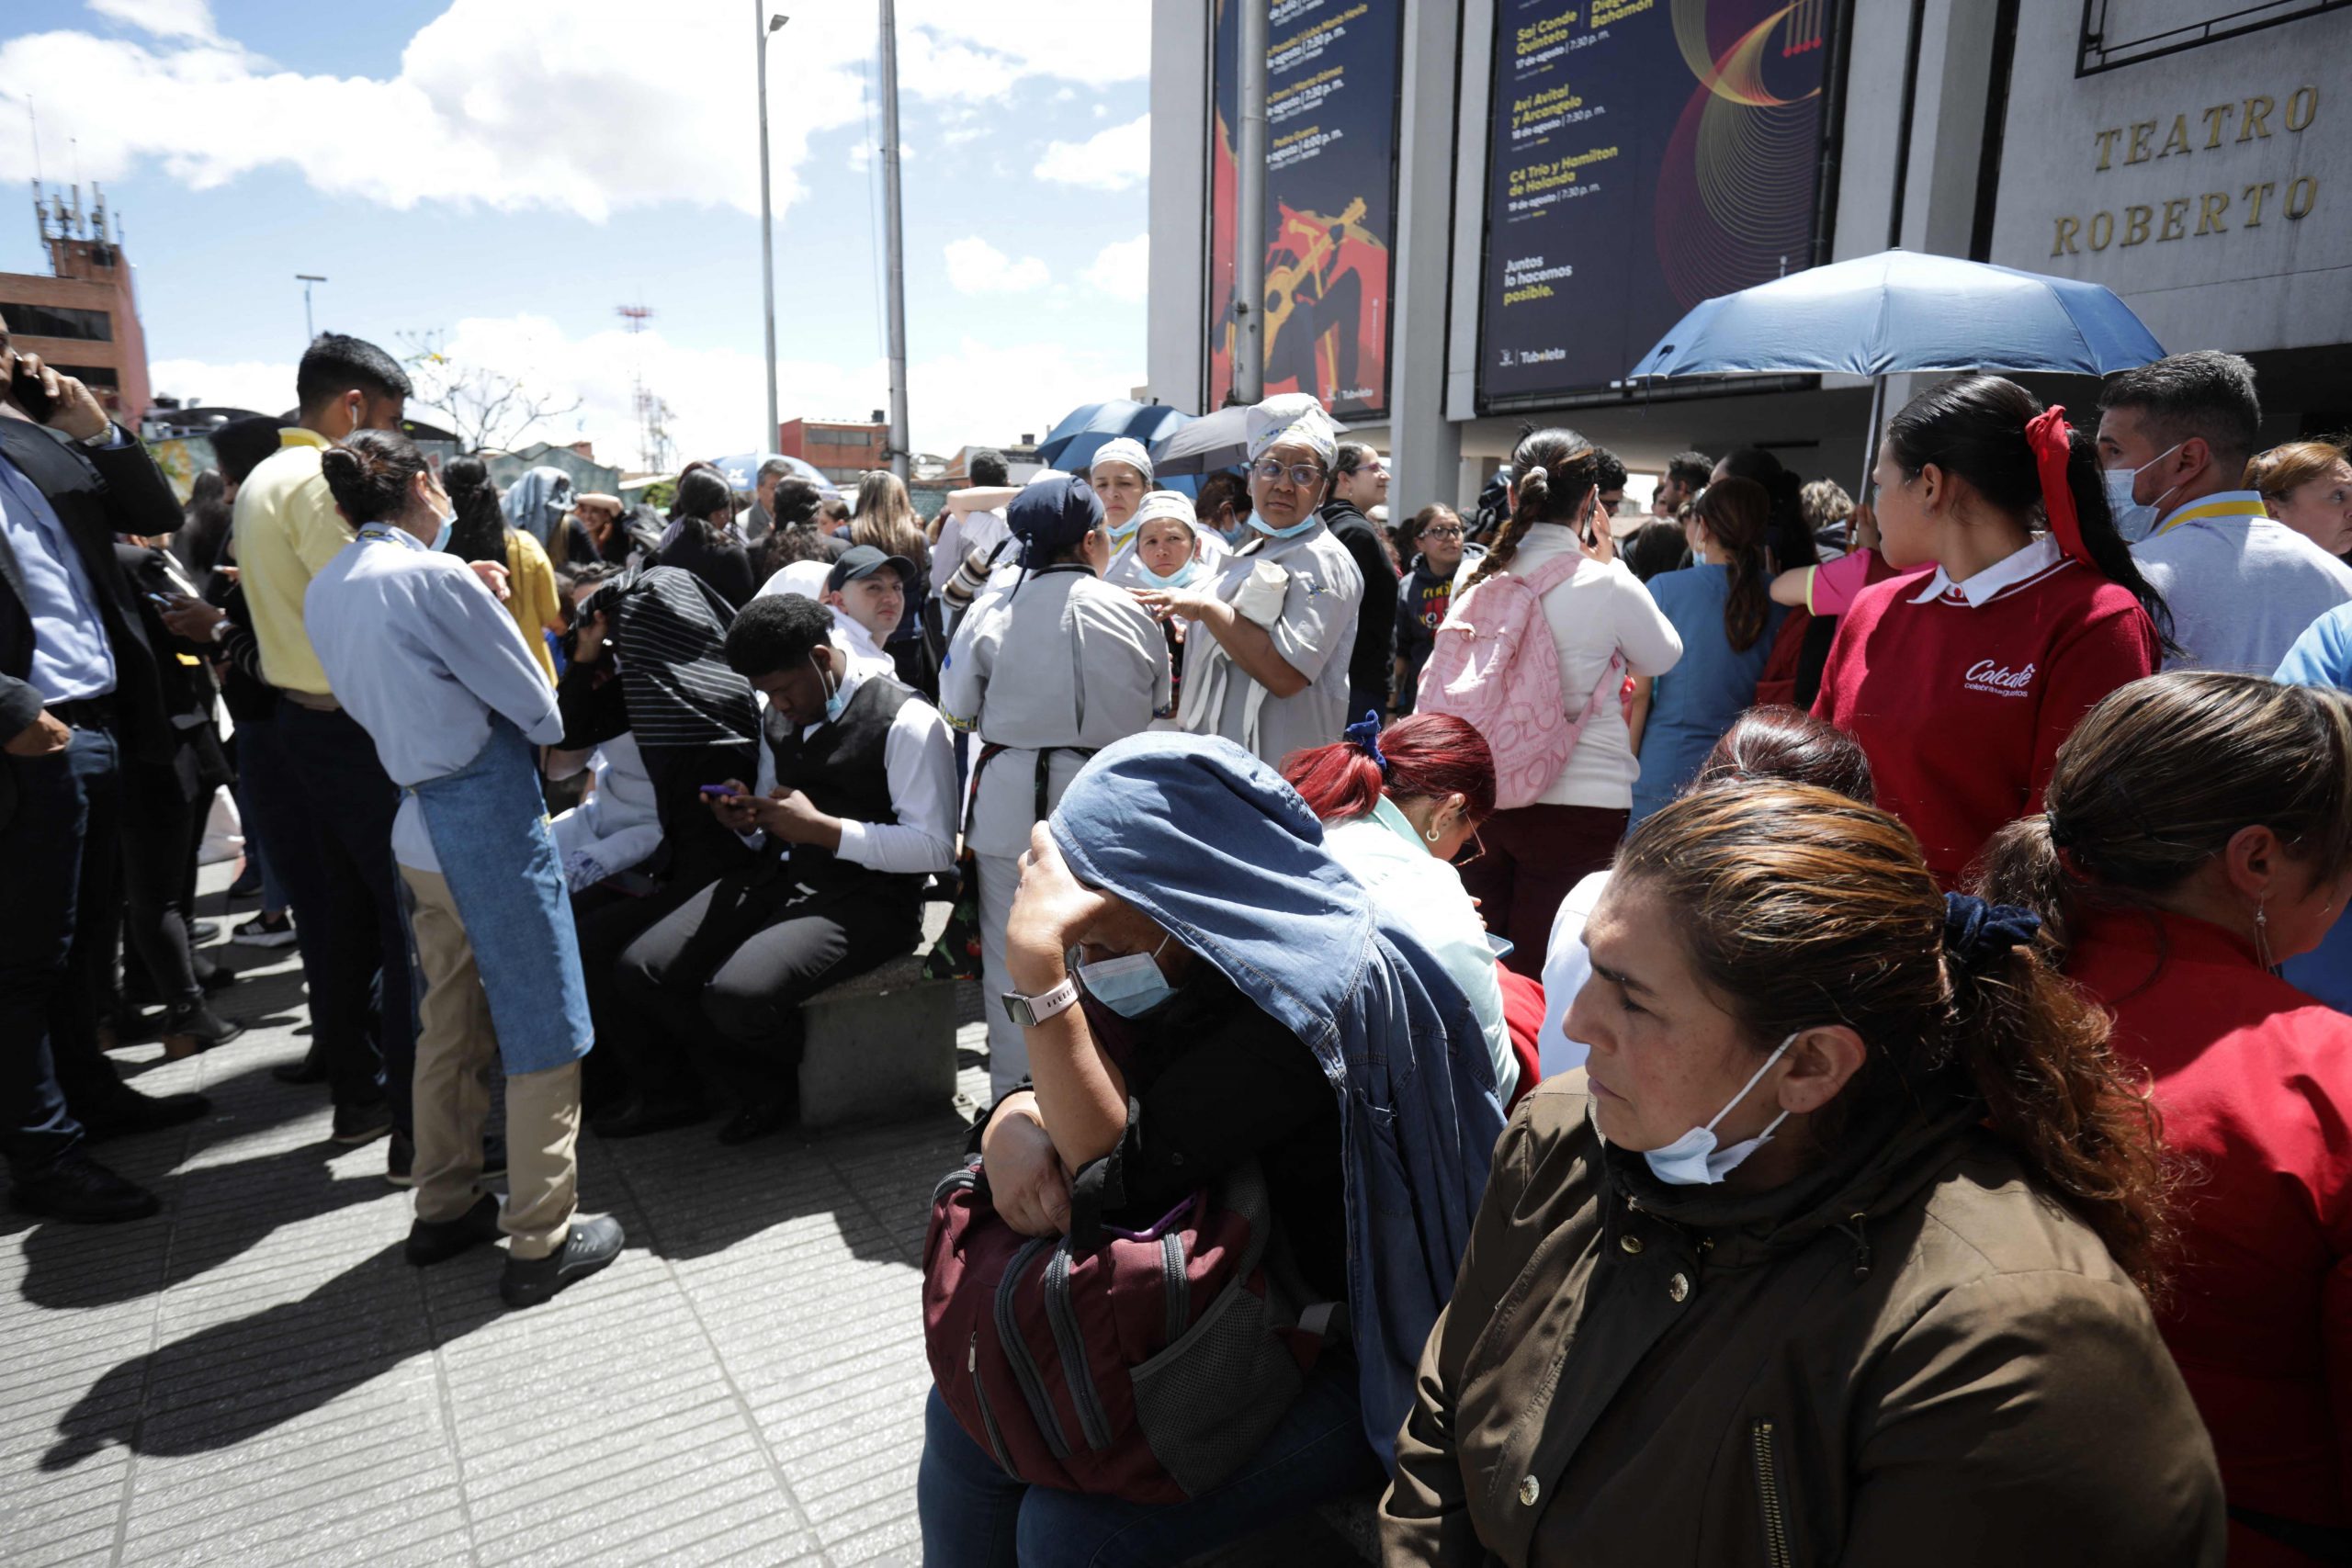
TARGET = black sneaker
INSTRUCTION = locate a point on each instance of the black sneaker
(264, 931)
(757, 1120)
(310, 1069)
(357, 1124)
(437, 1241)
(591, 1244)
(248, 883)
(400, 1159)
(127, 1112)
(76, 1187)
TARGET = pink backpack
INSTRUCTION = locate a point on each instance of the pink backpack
(1494, 667)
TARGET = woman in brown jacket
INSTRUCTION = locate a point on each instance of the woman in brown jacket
(1838, 1257)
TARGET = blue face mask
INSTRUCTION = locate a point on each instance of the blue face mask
(2134, 520)
(1130, 986)
(835, 700)
(448, 527)
(1182, 577)
(1693, 1159)
(1293, 532)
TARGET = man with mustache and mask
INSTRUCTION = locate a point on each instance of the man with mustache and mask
(2175, 437)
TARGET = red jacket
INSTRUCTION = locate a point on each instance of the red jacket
(2255, 1082)
(1961, 706)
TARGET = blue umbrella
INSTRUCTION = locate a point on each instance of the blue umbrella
(1082, 432)
(741, 471)
(1903, 311)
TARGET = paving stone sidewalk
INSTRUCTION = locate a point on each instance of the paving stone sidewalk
(255, 1377)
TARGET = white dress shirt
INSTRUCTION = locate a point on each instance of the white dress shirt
(421, 653)
(918, 760)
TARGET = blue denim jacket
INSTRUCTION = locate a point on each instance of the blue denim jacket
(1210, 842)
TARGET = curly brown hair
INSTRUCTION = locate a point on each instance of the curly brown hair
(1801, 907)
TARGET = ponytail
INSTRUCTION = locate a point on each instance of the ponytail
(2102, 540)
(1737, 513)
(1553, 471)
(1424, 756)
(481, 530)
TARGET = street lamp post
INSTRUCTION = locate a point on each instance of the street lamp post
(767, 26)
(309, 333)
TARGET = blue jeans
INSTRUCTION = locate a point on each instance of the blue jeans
(58, 849)
(256, 753)
(975, 1515)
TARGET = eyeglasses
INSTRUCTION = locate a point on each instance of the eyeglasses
(1440, 533)
(1300, 474)
(1477, 849)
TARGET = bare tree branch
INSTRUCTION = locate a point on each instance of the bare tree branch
(483, 407)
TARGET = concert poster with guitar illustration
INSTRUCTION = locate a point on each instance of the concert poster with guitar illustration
(1643, 155)
(1331, 82)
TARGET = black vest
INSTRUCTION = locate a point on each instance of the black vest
(840, 767)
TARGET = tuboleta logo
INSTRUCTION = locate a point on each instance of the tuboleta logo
(1997, 680)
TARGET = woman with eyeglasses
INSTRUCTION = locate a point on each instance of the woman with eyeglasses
(2019, 607)
(1271, 673)
(1397, 804)
(1423, 594)
(2197, 831)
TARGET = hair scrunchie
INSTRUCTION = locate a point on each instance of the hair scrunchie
(1364, 736)
(2053, 444)
(1977, 933)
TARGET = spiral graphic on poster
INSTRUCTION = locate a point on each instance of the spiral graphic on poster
(1733, 204)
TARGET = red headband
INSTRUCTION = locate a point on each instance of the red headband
(2052, 442)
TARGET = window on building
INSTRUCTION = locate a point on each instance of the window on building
(2124, 32)
(58, 321)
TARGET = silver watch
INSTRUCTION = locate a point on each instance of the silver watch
(1031, 1011)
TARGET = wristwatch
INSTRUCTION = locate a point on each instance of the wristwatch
(106, 437)
(1031, 1011)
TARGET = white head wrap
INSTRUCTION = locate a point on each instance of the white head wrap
(1292, 418)
(1171, 505)
(1125, 449)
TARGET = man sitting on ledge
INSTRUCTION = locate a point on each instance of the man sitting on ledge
(855, 809)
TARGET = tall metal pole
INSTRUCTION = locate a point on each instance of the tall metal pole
(309, 333)
(765, 26)
(1249, 208)
(894, 239)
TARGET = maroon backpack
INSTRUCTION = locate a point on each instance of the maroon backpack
(1148, 1367)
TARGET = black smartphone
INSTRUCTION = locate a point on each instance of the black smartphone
(28, 393)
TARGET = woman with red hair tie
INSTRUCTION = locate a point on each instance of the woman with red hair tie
(1397, 804)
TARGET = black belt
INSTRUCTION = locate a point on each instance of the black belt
(84, 713)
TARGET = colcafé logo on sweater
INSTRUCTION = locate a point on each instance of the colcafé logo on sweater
(1998, 679)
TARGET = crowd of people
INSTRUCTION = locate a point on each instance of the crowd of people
(1824, 1008)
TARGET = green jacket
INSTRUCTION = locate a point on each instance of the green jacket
(1909, 1357)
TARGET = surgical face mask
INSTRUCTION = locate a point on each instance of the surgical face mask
(1293, 532)
(1182, 577)
(448, 527)
(2132, 520)
(834, 700)
(1129, 986)
(1693, 1159)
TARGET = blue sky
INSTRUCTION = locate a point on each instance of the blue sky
(508, 172)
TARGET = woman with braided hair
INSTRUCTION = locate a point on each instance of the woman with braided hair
(1595, 611)
(481, 532)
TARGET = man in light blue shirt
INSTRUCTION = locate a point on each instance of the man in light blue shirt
(79, 695)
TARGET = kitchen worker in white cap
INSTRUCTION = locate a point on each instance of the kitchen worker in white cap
(1165, 518)
(1260, 665)
(1119, 476)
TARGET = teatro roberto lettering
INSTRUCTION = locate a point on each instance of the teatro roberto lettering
(2217, 129)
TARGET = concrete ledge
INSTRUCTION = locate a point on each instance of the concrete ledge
(878, 1046)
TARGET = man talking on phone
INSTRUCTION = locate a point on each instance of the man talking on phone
(79, 697)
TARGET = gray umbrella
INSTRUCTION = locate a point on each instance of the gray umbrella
(1214, 441)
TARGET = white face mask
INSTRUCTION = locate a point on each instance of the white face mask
(2132, 520)
(1693, 1159)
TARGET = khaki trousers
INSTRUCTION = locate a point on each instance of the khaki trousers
(455, 1045)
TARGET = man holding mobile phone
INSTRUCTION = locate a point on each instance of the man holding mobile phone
(79, 697)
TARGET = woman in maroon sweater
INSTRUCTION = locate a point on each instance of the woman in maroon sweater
(2198, 830)
(1961, 676)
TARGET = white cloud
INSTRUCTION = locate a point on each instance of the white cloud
(164, 19)
(568, 105)
(1123, 269)
(978, 393)
(1109, 160)
(975, 266)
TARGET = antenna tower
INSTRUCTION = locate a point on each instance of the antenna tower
(652, 423)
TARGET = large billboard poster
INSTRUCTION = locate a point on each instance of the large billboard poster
(1643, 155)
(1330, 199)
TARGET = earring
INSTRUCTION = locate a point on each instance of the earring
(2262, 936)
(1433, 835)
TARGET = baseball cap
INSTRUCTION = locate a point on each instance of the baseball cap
(864, 560)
